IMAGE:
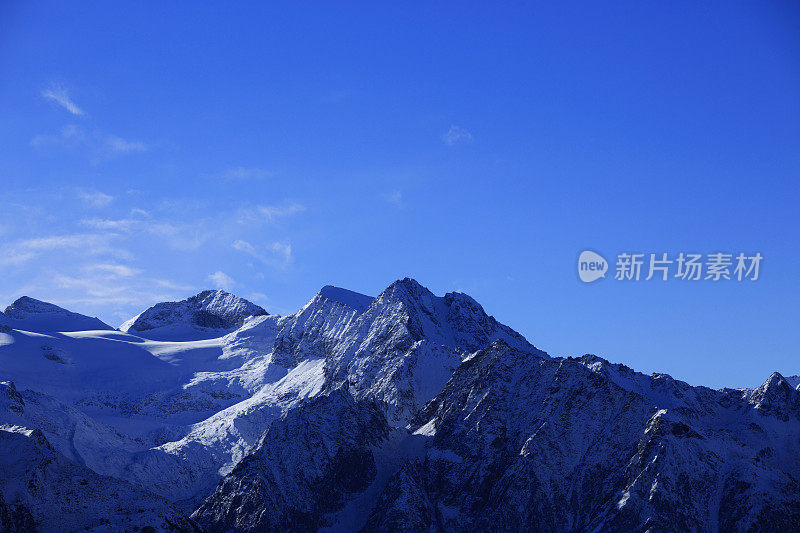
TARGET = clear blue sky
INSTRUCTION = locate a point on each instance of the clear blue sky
(152, 149)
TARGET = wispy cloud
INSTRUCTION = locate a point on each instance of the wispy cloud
(395, 198)
(184, 236)
(221, 280)
(245, 174)
(15, 257)
(269, 213)
(100, 146)
(278, 254)
(70, 137)
(93, 289)
(283, 250)
(117, 145)
(122, 224)
(94, 198)
(16, 253)
(112, 270)
(88, 244)
(60, 96)
(56, 242)
(456, 135)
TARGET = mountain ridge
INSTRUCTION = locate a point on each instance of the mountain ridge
(470, 424)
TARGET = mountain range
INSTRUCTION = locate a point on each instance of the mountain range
(406, 411)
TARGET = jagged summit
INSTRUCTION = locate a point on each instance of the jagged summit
(206, 312)
(403, 348)
(30, 314)
(776, 395)
(454, 319)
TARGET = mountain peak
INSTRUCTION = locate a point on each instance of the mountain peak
(26, 304)
(776, 395)
(30, 314)
(208, 311)
(408, 286)
(775, 379)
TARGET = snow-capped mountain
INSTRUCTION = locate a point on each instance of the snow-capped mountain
(404, 411)
(29, 314)
(403, 348)
(203, 315)
(519, 442)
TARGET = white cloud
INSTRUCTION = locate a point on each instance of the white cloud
(59, 95)
(395, 197)
(100, 146)
(278, 254)
(70, 136)
(245, 174)
(95, 198)
(244, 246)
(221, 280)
(258, 297)
(456, 135)
(85, 243)
(56, 242)
(15, 258)
(179, 236)
(100, 289)
(122, 224)
(113, 270)
(116, 145)
(283, 250)
(270, 213)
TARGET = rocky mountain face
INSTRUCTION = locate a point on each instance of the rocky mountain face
(305, 466)
(519, 442)
(42, 489)
(407, 411)
(404, 347)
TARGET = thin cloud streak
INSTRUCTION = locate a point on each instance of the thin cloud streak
(59, 95)
(279, 254)
(100, 146)
(456, 135)
(95, 198)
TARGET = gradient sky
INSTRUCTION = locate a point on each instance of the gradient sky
(152, 149)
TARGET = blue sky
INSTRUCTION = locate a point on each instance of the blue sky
(150, 150)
